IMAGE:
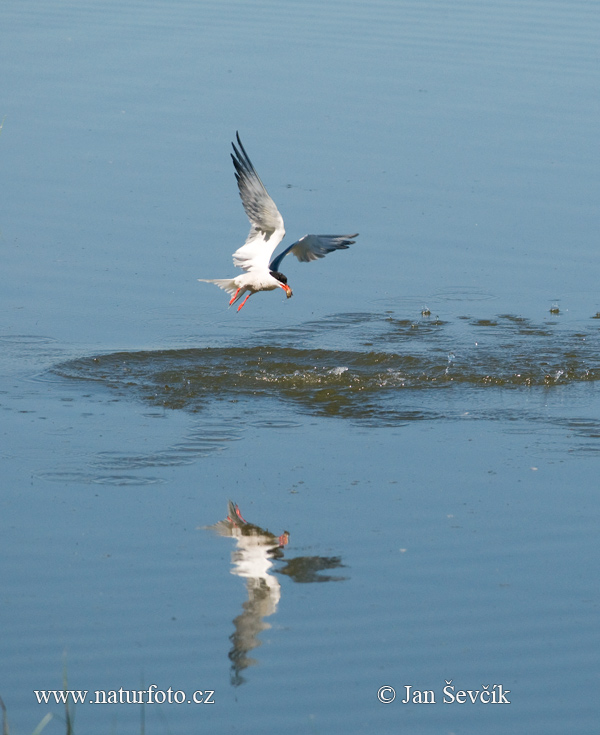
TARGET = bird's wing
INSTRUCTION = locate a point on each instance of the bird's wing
(267, 229)
(311, 247)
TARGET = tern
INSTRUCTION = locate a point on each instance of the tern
(261, 270)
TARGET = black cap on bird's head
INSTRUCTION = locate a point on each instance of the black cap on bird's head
(283, 280)
(279, 276)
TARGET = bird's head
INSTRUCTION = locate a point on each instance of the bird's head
(283, 283)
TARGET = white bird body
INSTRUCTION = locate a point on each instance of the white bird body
(266, 232)
(252, 281)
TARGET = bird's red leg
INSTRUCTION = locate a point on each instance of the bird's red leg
(234, 297)
(238, 516)
(244, 301)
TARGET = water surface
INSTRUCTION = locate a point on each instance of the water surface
(420, 423)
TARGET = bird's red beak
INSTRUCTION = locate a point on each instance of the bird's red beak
(287, 289)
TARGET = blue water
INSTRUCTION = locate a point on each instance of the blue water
(422, 417)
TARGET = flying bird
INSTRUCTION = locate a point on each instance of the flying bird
(255, 257)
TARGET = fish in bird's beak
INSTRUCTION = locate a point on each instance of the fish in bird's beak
(288, 290)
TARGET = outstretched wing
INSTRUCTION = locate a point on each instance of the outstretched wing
(267, 229)
(312, 247)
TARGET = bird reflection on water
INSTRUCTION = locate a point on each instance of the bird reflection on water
(257, 549)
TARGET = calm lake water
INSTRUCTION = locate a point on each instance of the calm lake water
(413, 438)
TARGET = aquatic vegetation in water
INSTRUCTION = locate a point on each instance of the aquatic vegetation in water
(377, 384)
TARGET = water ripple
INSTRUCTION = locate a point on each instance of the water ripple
(406, 359)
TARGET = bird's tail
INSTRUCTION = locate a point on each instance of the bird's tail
(227, 284)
